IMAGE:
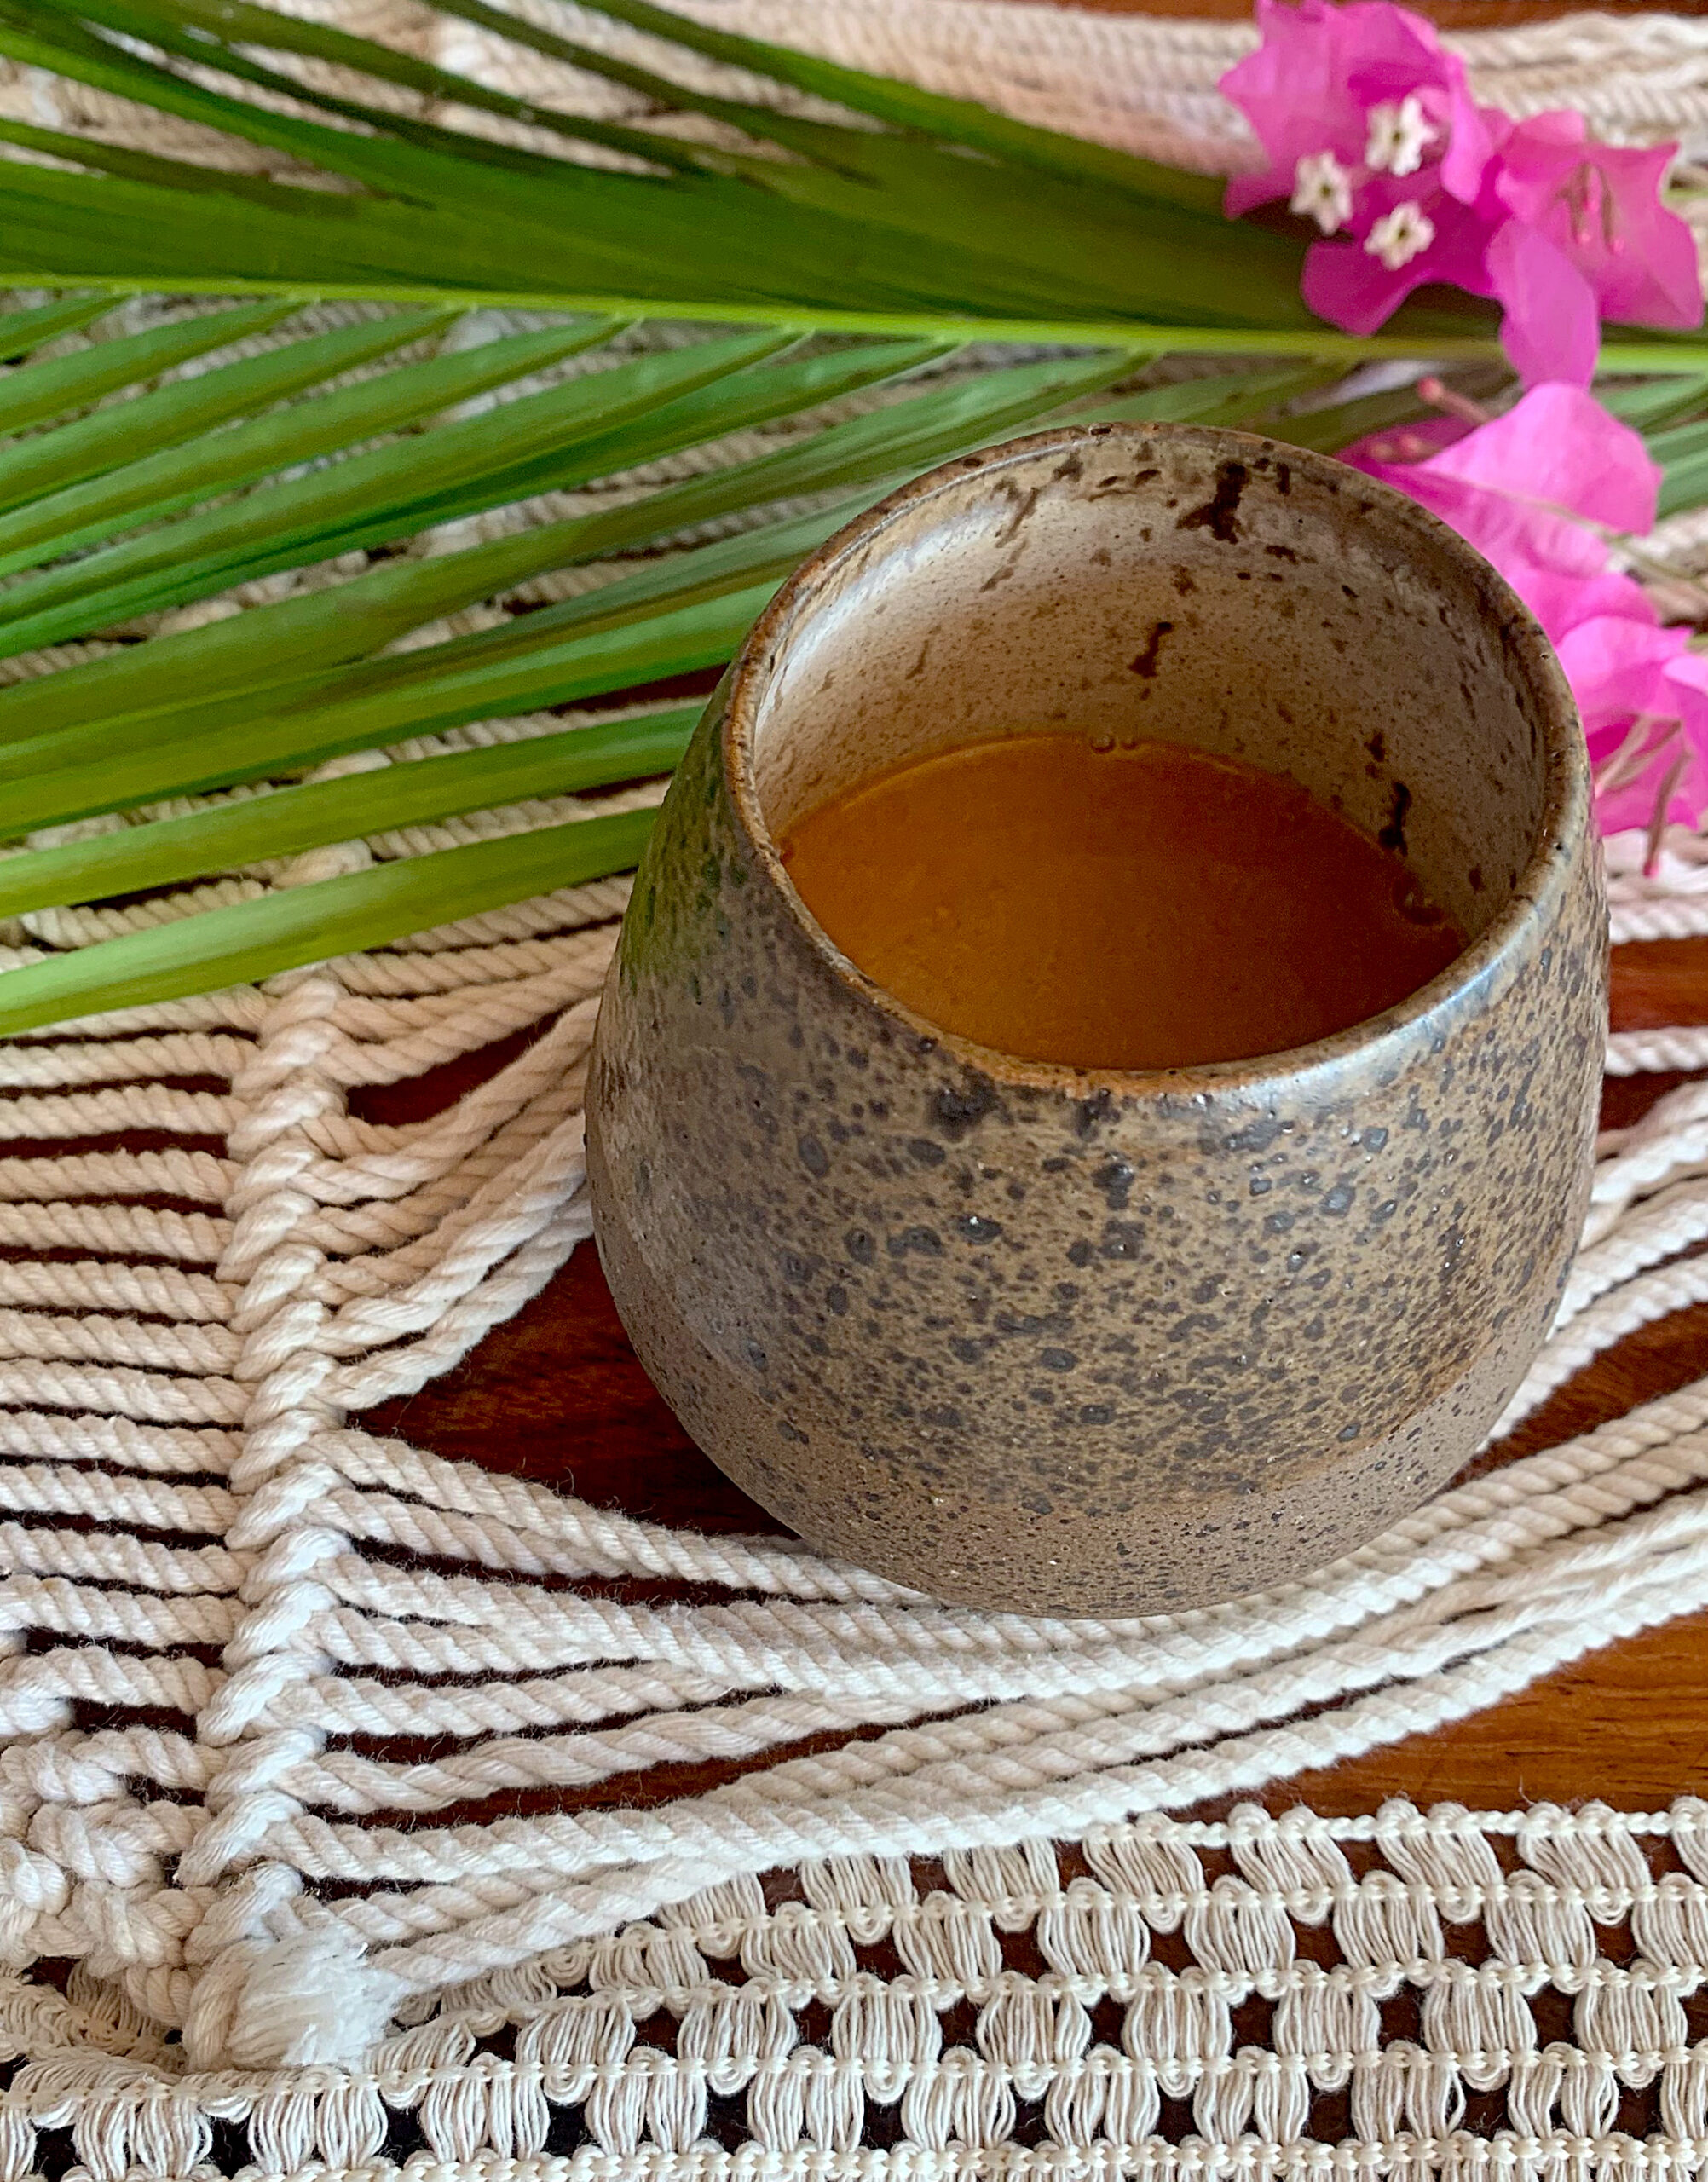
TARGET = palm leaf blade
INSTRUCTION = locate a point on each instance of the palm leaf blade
(652, 649)
(297, 818)
(22, 331)
(282, 931)
(188, 408)
(36, 392)
(150, 487)
(370, 499)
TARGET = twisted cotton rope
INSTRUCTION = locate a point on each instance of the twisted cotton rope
(199, 1531)
(731, 1973)
(1079, 1722)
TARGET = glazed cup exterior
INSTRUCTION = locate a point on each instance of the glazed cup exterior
(1077, 1340)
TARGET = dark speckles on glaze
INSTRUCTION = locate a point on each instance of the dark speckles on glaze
(1115, 1179)
(1030, 1339)
(1219, 514)
(1147, 660)
(957, 1109)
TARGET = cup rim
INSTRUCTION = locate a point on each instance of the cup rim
(1383, 1042)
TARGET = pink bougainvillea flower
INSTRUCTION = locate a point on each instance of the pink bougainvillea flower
(1402, 234)
(1366, 78)
(1368, 127)
(1559, 448)
(1643, 697)
(1541, 491)
(1587, 239)
(1599, 206)
(1552, 325)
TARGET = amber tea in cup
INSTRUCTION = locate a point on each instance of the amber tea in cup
(1114, 902)
(1081, 1178)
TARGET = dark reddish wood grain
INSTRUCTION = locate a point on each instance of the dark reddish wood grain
(558, 1395)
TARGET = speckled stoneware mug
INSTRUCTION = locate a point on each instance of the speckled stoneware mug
(1082, 1341)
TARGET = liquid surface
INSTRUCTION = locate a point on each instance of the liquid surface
(1143, 907)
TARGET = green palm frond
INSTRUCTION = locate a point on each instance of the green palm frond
(897, 229)
(247, 555)
(913, 214)
(415, 431)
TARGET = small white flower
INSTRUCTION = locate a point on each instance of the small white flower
(1399, 235)
(1398, 138)
(1322, 190)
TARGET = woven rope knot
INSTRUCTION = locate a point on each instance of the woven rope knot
(300, 2002)
(287, 1272)
(120, 1930)
(254, 1995)
(243, 1815)
(120, 1843)
(260, 1226)
(270, 1522)
(32, 1884)
(246, 1906)
(286, 1607)
(287, 1426)
(245, 1694)
(279, 1353)
(281, 1152)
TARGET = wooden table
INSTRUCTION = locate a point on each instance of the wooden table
(558, 1395)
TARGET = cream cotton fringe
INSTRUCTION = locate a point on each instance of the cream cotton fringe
(260, 1665)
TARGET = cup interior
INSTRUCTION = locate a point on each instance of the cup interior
(1193, 587)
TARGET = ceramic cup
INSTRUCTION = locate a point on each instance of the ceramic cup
(1081, 1341)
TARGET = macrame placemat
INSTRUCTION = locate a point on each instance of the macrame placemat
(298, 1721)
